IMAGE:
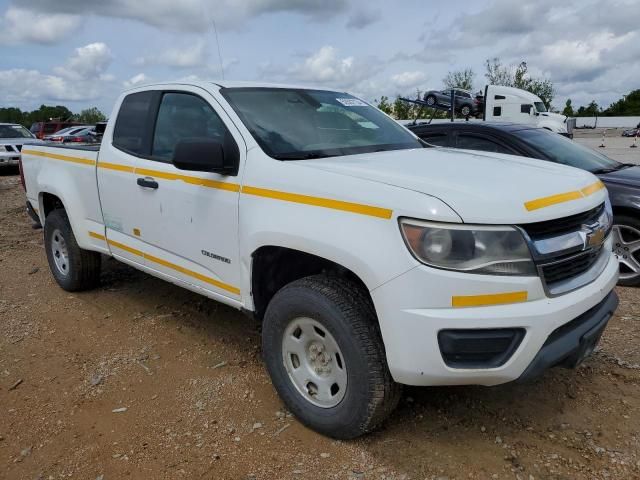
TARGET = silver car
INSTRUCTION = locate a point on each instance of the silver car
(12, 138)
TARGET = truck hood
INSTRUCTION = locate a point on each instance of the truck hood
(481, 188)
(554, 116)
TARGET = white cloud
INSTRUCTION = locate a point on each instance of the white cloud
(18, 25)
(136, 80)
(326, 67)
(194, 55)
(87, 63)
(191, 15)
(406, 80)
(82, 77)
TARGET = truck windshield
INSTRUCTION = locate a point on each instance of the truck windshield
(562, 150)
(540, 107)
(297, 124)
(14, 131)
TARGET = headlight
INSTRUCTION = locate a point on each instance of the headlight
(469, 248)
(3, 148)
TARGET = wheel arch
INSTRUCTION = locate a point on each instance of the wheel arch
(273, 267)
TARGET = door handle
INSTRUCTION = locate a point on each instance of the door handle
(147, 182)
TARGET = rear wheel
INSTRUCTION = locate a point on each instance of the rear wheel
(431, 100)
(465, 110)
(73, 268)
(326, 358)
(626, 246)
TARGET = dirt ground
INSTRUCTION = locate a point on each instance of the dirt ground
(199, 403)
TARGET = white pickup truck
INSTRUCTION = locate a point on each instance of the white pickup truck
(371, 260)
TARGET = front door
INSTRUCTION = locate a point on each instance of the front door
(190, 219)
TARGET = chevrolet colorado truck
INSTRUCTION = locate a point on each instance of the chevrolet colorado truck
(370, 260)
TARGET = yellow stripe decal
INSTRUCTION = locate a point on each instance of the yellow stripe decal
(164, 263)
(204, 182)
(593, 188)
(564, 197)
(65, 158)
(358, 208)
(319, 202)
(552, 200)
(97, 235)
(491, 299)
(116, 166)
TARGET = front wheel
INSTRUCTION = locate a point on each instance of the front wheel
(626, 246)
(431, 100)
(323, 350)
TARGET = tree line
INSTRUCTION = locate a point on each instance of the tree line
(46, 113)
(518, 76)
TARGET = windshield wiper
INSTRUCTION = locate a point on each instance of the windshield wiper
(620, 166)
(300, 156)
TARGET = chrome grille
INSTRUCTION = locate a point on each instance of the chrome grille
(568, 268)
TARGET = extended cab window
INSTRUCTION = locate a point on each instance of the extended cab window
(131, 124)
(184, 116)
(475, 142)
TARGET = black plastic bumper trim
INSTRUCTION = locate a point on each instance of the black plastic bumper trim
(569, 344)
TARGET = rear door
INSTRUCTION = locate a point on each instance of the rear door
(119, 192)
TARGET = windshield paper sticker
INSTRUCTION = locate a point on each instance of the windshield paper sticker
(351, 102)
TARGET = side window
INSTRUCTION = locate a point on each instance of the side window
(132, 122)
(525, 108)
(184, 116)
(497, 111)
(437, 139)
(475, 142)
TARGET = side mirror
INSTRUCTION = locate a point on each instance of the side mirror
(203, 155)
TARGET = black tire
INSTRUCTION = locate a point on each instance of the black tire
(431, 100)
(346, 312)
(82, 268)
(632, 223)
(465, 110)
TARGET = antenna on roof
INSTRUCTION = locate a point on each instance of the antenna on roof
(215, 30)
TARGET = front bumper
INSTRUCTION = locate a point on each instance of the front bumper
(410, 329)
(9, 158)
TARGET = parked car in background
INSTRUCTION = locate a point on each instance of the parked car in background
(465, 102)
(631, 132)
(82, 134)
(621, 179)
(12, 137)
(42, 129)
(60, 135)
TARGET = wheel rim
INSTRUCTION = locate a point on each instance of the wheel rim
(60, 252)
(626, 246)
(431, 100)
(465, 111)
(314, 362)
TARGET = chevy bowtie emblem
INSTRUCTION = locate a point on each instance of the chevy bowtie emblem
(594, 235)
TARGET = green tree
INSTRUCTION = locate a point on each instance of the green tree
(90, 116)
(568, 109)
(518, 76)
(460, 79)
(627, 105)
(384, 105)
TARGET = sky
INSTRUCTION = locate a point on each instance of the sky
(82, 53)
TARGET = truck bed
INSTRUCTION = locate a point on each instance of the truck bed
(68, 173)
